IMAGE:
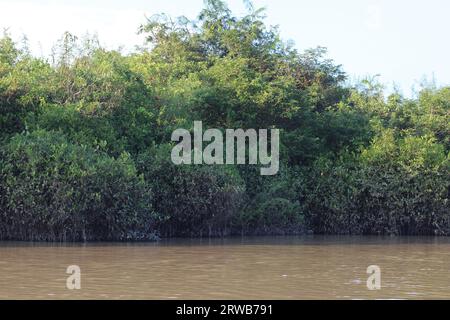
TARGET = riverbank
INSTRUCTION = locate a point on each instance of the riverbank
(86, 139)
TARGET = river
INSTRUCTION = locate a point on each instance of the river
(312, 267)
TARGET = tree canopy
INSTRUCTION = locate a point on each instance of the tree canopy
(85, 138)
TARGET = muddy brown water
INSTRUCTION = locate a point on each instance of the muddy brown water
(251, 268)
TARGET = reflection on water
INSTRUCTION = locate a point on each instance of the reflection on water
(256, 268)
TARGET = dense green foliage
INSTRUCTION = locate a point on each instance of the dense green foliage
(55, 190)
(85, 139)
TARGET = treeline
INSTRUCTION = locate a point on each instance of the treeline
(85, 139)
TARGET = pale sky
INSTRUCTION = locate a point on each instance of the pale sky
(402, 40)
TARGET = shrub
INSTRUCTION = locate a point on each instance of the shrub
(397, 186)
(273, 204)
(79, 128)
(194, 200)
(55, 190)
